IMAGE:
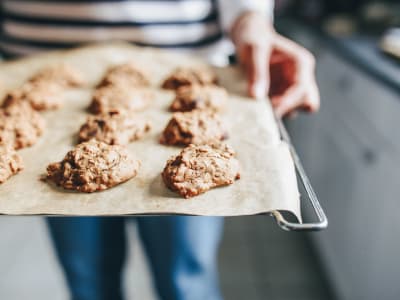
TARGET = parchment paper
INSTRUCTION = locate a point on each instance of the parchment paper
(268, 181)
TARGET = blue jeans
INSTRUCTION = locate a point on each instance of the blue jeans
(182, 252)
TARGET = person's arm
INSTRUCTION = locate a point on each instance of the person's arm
(250, 27)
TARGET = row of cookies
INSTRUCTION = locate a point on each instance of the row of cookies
(21, 125)
(123, 92)
(205, 162)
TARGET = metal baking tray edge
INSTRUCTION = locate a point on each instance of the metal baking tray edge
(322, 222)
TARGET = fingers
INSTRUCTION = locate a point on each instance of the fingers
(289, 101)
(291, 48)
(303, 92)
(312, 99)
(292, 115)
(304, 96)
(252, 37)
(256, 66)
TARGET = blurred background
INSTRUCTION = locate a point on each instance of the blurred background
(350, 150)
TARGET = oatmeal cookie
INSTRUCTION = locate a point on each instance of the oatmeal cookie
(40, 95)
(114, 128)
(189, 75)
(20, 126)
(10, 163)
(194, 127)
(62, 74)
(199, 97)
(116, 98)
(93, 166)
(127, 74)
(199, 168)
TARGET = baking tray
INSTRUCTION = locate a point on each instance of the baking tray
(94, 60)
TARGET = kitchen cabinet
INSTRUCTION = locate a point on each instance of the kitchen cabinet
(351, 152)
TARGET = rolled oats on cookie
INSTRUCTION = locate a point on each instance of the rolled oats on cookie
(10, 163)
(200, 168)
(40, 95)
(20, 125)
(184, 76)
(114, 128)
(202, 97)
(116, 98)
(128, 74)
(61, 74)
(194, 127)
(93, 166)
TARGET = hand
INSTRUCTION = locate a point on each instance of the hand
(275, 65)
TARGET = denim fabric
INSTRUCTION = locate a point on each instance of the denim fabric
(182, 252)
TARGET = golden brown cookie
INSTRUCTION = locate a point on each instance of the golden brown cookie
(114, 128)
(20, 125)
(93, 166)
(40, 95)
(194, 127)
(128, 74)
(61, 74)
(198, 169)
(199, 97)
(10, 163)
(189, 75)
(116, 98)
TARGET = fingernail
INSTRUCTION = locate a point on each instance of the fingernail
(260, 90)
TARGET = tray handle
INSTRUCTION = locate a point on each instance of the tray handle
(311, 196)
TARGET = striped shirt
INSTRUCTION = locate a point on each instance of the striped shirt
(30, 26)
